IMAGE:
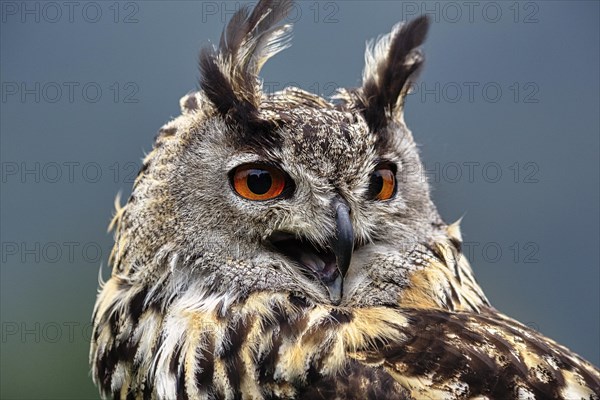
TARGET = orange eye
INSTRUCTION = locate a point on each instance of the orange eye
(258, 182)
(383, 183)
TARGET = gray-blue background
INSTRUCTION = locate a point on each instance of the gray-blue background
(532, 115)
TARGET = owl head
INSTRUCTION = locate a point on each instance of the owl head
(248, 191)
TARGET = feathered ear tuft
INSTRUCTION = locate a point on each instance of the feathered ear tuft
(230, 72)
(391, 65)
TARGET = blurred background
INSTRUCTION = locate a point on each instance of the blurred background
(506, 113)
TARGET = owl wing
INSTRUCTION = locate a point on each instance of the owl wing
(465, 355)
(460, 356)
(392, 353)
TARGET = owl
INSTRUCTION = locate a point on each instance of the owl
(285, 246)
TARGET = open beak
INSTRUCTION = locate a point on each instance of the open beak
(330, 264)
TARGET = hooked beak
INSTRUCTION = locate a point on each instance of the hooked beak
(330, 264)
(343, 246)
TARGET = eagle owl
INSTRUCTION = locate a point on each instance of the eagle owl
(284, 246)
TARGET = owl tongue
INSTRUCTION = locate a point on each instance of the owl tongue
(317, 261)
(322, 263)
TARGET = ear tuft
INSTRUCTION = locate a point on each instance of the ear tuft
(230, 72)
(391, 65)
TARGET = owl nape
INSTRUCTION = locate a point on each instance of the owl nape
(285, 246)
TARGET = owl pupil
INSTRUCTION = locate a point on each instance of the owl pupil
(376, 183)
(259, 181)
